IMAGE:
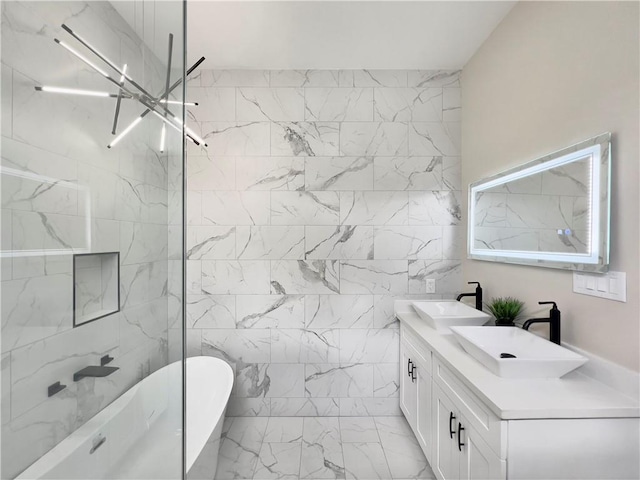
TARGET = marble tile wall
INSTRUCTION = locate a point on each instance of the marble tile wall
(323, 196)
(63, 191)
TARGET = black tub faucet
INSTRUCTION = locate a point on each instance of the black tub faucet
(477, 294)
(553, 321)
(93, 371)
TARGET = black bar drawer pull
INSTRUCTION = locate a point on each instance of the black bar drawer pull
(409, 367)
(460, 444)
(452, 417)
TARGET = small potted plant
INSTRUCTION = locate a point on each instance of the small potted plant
(505, 310)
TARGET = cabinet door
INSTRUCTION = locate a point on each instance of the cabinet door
(477, 460)
(424, 414)
(408, 386)
(446, 462)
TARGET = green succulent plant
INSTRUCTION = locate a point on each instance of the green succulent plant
(505, 309)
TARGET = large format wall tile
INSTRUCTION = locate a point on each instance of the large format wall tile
(343, 191)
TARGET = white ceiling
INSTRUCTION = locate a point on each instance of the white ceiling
(325, 34)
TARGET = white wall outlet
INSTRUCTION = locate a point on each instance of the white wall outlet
(610, 285)
(431, 285)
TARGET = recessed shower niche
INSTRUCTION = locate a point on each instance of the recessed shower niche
(96, 280)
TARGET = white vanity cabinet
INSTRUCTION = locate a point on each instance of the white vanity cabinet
(415, 389)
(573, 428)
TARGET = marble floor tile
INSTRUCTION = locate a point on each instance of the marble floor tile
(365, 461)
(284, 430)
(278, 460)
(358, 429)
(320, 448)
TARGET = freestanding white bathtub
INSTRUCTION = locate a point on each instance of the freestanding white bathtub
(139, 435)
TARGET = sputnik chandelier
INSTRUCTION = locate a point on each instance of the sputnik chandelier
(129, 89)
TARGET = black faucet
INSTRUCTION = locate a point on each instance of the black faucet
(94, 371)
(553, 321)
(477, 294)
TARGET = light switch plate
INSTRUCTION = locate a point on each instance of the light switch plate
(610, 285)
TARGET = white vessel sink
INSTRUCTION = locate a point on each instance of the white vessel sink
(535, 357)
(442, 314)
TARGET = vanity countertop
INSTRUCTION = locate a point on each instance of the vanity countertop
(575, 395)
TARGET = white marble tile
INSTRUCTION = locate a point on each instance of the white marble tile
(434, 138)
(304, 78)
(408, 104)
(305, 208)
(240, 447)
(211, 311)
(358, 429)
(373, 276)
(374, 208)
(339, 311)
(41, 302)
(451, 173)
(338, 380)
(279, 461)
(383, 314)
(408, 173)
(211, 172)
(321, 449)
(5, 388)
(339, 104)
(446, 273)
(237, 346)
(231, 138)
(235, 277)
(193, 277)
(248, 407)
(441, 208)
(434, 78)
(252, 379)
(365, 461)
(37, 365)
(451, 104)
(305, 407)
(234, 78)
(100, 188)
(373, 139)
(272, 104)
(270, 311)
(304, 346)
(408, 243)
(139, 242)
(373, 78)
(6, 100)
(211, 243)
(270, 242)
(386, 380)
(339, 242)
(401, 449)
(369, 346)
(369, 406)
(305, 138)
(138, 325)
(283, 430)
(304, 277)
(286, 380)
(270, 173)
(194, 208)
(339, 173)
(214, 104)
(48, 231)
(235, 208)
(453, 244)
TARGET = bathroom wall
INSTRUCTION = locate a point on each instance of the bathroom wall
(550, 75)
(322, 197)
(63, 191)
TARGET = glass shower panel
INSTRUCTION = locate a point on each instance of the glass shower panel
(92, 239)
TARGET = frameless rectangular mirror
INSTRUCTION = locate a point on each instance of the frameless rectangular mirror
(551, 212)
